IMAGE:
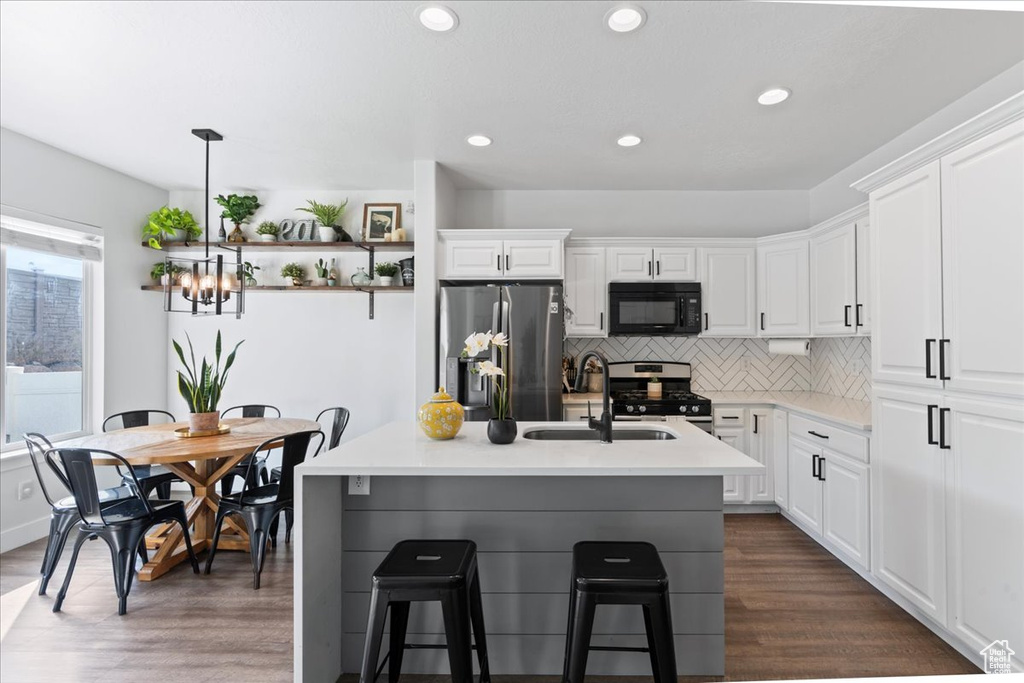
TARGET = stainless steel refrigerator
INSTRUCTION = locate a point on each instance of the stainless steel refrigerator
(531, 316)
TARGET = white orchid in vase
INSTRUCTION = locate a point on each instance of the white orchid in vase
(479, 342)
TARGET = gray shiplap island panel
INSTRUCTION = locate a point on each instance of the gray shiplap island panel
(524, 528)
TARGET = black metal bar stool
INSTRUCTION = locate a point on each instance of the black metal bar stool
(420, 571)
(612, 573)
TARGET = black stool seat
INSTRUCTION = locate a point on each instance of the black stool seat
(419, 571)
(619, 573)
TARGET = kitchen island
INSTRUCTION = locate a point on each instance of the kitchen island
(525, 505)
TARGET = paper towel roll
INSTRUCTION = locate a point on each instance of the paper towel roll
(789, 347)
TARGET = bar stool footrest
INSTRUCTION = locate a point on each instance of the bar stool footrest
(609, 648)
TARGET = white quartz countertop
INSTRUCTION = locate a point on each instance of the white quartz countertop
(401, 449)
(843, 411)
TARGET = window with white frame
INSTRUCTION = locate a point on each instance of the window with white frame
(47, 307)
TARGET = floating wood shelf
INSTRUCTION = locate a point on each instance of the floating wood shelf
(305, 245)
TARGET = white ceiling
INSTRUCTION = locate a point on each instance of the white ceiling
(346, 94)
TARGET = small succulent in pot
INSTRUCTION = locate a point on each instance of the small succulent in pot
(268, 231)
(294, 273)
(321, 273)
(654, 387)
(387, 272)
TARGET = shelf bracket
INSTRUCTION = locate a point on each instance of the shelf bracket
(369, 250)
(370, 293)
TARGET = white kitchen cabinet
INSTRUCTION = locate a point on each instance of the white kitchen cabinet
(532, 258)
(986, 521)
(804, 486)
(641, 264)
(586, 292)
(982, 193)
(761, 489)
(783, 291)
(728, 291)
(862, 314)
(833, 275)
(780, 457)
(734, 486)
(845, 500)
(906, 261)
(908, 501)
(675, 264)
(473, 259)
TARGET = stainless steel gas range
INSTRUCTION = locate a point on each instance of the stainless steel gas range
(632, 402)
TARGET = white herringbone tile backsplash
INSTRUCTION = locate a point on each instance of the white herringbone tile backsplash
(718, 364)
(834, 366)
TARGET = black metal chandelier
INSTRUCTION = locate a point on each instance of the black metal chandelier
(203, 284)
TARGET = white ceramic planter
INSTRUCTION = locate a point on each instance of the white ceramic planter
(319, 282)
(327, 233)
(268, 238)
(386, 281)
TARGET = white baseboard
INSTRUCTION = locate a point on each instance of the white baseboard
(750, 508)
(953, 641)
(24, 534)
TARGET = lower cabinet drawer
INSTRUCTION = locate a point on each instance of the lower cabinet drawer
(730, 417)
(842, 441)
(574, 412)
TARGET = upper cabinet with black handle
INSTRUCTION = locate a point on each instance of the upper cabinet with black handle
(947, 248)
(836, 309)
(502, 254)
(783, 288)
(641, 263)
(728, 291)
(586, 292)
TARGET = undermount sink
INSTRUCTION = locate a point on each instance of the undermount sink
(592, 435)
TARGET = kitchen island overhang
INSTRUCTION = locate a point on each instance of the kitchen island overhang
(524, 504)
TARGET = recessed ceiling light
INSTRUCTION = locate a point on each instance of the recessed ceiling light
(625, 18)
(773, 96)
(629, 141)
(437, 18)
(479, 140)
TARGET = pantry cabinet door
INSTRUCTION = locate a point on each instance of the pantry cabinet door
(586, 292)
(983, 263)
(834, 282)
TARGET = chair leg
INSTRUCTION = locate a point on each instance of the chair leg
(476, 613)
(182, 521)
(123, 547)
(82, 536)
(652, 646)
(273, 532)
(289, 516)
(578, 638)
(61, 525)
(374, 635)
(264, 474)
(226, 484)
(663, 651)
(396, 649)
(257, 529)
(216, 538)
(455, 609)
(163, 491)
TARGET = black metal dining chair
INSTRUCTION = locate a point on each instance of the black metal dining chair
(260, 506)
(121, 524)
(151, 477)
(339, 420)
(63, 511)
(260, 473)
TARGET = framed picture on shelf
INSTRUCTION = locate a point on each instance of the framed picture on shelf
(380, 220)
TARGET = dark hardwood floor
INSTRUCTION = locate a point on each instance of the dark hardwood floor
(792, 611)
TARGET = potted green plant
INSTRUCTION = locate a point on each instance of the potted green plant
(202, 386)
(249, 273)
(238, 208)
(501, 428)
(160, 273)
(321, 273)
(387, 272)
(164, 224)
(293, 273)
(654, 388)
(268, 231)
(327, 215)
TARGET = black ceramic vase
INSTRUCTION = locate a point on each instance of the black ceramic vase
(502, 431)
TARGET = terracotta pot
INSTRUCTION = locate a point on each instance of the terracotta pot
(203, 422)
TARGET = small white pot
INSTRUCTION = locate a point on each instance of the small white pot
(268, 238)
(327, 233)
(386, 281)
(165, 279)
(319, 282)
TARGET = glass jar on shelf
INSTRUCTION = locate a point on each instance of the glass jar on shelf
(360, 278)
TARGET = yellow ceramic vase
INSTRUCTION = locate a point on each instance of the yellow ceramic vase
(441, 417)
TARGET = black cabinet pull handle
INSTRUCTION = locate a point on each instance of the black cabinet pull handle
(602, 321)
(506, 263)
(762, 321)
(846, 316)
(821, 468)
(928, 358)
(942, 429)
(860, 307)
(755, 423)
(943, 345)
(648, 268)
(730, 417)
(705, 322)
(499, 261)
(931, 425)
(814, 465)
(659, 267)
(813, 433)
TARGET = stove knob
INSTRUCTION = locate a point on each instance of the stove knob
(682, 409)
(694, 409)
(629, 409)
(643, 409)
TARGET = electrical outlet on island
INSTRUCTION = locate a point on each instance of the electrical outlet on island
(358, 485)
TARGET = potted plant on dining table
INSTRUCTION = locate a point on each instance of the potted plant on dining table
(202, 386)
(501, 428)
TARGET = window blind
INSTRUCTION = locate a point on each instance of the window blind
(17, 232)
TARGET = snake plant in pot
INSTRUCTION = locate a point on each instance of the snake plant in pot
(202, 385)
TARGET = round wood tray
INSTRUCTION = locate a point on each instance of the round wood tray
(185, 433)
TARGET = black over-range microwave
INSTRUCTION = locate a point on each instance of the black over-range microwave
(654, 308)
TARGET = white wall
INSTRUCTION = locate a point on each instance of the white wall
(651, 213)
(307, 351)
(835, 195)
(42, 179)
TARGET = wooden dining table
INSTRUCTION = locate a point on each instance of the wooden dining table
(200, 461)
